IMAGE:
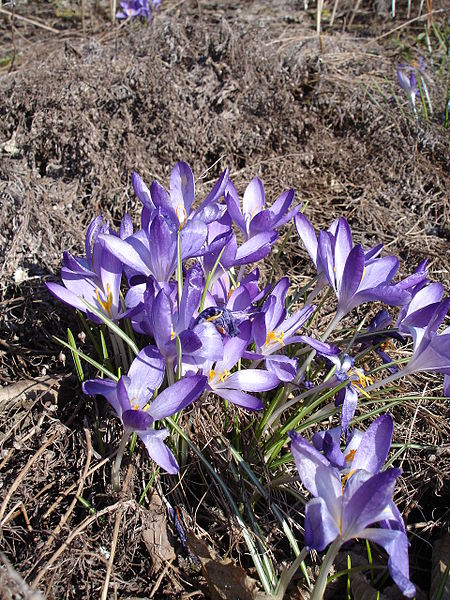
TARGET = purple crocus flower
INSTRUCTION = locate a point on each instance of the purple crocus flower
(177, 203)
(254, 218)
(131, 398)
(407, 80)
(233, 386)
(345, 507)
(273, 330)
(355, 277)
(134, 8)
(95, 278)
(431, 349)
(364, 450)
(347, 397)
(153, 250)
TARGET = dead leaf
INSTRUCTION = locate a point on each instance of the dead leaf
(440, 562)
(155, 536)
(226, 580)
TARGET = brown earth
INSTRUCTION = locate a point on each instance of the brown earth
(247, 85)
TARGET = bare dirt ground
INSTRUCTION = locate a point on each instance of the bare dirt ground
(247, 85)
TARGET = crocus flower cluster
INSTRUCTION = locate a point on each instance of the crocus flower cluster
(180, 280)
(185, 285)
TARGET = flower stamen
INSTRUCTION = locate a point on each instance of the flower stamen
(105, 304)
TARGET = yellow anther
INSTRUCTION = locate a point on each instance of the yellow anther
(350, 456)
(181, 210)
(363, 380)
(134, 405)
(273, 337)
(387, 345)
(222, 377)
(345, 478)
(231, 290)
(106, 304)
(172, 334)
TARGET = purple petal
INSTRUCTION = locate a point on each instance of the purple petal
(234, 348)
(162, 247)
(193, 236)
(374, 446)
(342, 248)
(126, 227)
(255, 248)
(105, 388)
(379, 272)
(280, 206)
(158, 451)
(325, 257)
(234, 208)
(307, 460)
(142, 191)
(396, 545)
(161, 320)
(146, 374)
(253, 200)
(182, 190)
(367, 501)
(389, 294)
(293, 323)
(306, 232)
(351, 277)
(66, 296)
(130, 251)
(136, 420)
(348, 407)
(262, 221)
(217, 191)
(177, 396)
(283, 367)
(240, 398)
(161, 199)
(320, 527)
(252, 380)
(191, 296)
(275, 311)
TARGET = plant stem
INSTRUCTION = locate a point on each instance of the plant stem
(115, 474)
(288, 574)
(321, 583)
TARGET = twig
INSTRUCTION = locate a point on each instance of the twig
(78, 531)
(72, 487)
(155, 588)
(30, 21)
(23, 473)
(112, 553)
(405, 24)
(19, 582)
(83, 476)
(83, 23)
(13, 37)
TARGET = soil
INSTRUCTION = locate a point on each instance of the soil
(246, 85)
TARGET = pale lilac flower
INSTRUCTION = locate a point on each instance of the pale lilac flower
(131, 398)
(94, 278)
(345, 507)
